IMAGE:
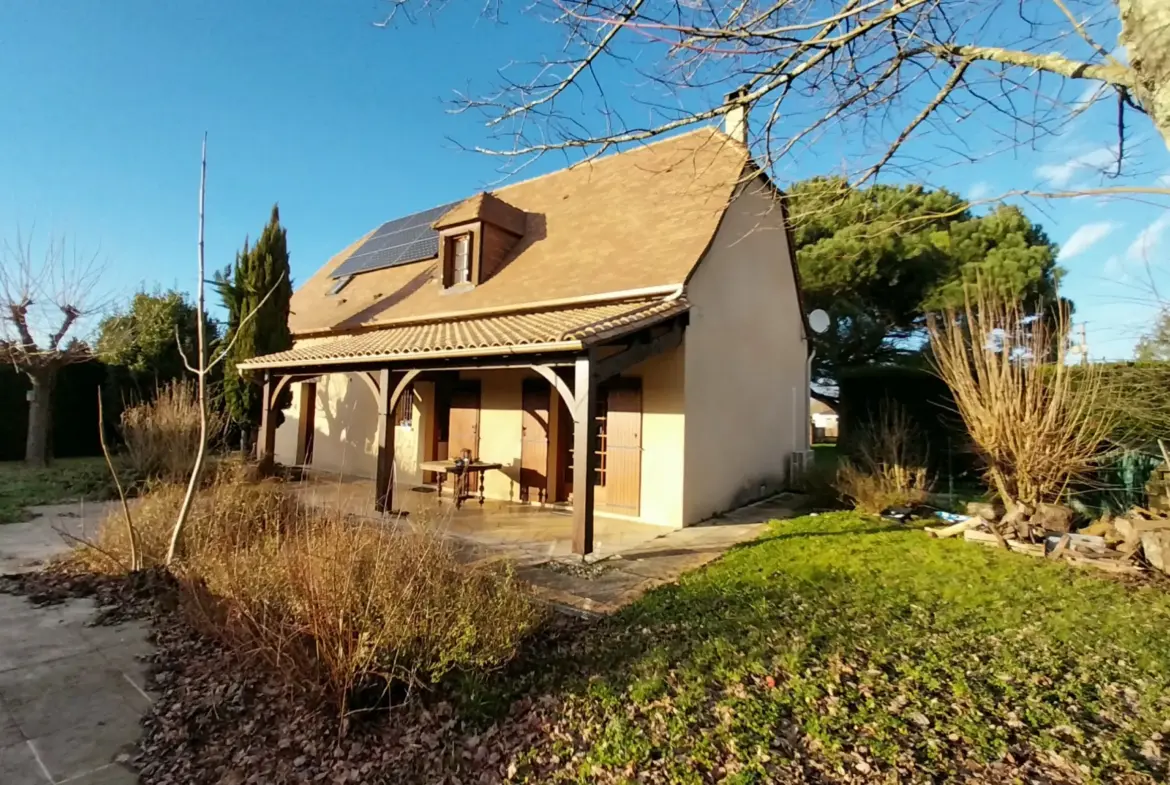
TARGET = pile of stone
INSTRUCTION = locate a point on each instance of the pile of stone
(1132, 543)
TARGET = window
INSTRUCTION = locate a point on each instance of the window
(461, 259)
(404, 410)
(340, 284)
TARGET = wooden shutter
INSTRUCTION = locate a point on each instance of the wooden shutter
(464, 420)
(623, 446)
(534, 440)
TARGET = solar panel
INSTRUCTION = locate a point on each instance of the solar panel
(401, 241)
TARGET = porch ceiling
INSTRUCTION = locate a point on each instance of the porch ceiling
(565, 329)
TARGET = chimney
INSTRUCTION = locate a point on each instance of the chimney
(735, 116)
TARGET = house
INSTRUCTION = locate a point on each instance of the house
(824, 422)
(641, 309)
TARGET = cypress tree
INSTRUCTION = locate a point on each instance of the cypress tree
(242, 287)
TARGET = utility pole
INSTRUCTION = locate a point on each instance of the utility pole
(1084, 346)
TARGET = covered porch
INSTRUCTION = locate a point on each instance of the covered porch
(524, 532)
(575, 403)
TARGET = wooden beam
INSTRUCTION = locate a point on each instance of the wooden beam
(391, 385)
(639, 352)
(306, 424)
(370, 381)
(435, 364)
(266, 446)
(584, 454)
(558, 384)
(384, 479)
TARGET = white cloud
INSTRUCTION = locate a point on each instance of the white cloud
(1148, 241)
(1164, 180)
(1060, 174)
(980, 190)
(1085, 237)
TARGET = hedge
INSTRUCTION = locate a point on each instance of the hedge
(927, 401)
(75, 416)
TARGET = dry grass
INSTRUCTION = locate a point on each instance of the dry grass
(1037, 426)
(347, 609)
(162, 435)
(888, 465)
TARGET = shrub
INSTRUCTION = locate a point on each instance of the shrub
(346, 608)
(1038, 425)
(888, 467)
(162, 435)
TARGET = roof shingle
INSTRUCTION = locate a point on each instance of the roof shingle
(566, 328)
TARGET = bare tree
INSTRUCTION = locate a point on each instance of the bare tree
(856, 78)
(43, 305)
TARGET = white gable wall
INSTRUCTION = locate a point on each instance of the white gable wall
(745, 369)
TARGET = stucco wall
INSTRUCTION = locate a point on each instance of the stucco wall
(663, 435)
(745, 368)
(346, 421)
(499, 428)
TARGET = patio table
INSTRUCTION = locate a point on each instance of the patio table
(464, 472)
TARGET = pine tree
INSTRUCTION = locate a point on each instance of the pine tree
(257, 270)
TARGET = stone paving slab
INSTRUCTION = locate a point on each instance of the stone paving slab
(71, 695)
(29, 544)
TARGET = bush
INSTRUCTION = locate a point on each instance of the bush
(346, 608)
(927, 402)
(888, 467)
(162, 435)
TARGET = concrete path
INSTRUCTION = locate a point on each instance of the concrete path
(623, 577)
(71, 695)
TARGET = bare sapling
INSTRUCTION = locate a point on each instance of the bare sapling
(135, 560)
(202, 368)
(1037, 423)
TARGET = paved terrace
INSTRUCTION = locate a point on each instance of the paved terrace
(72, 695)
(630, 558)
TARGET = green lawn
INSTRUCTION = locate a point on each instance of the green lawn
(841, 648)
(67, 479)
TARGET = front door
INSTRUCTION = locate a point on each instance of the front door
(534, 432)
(463, 430)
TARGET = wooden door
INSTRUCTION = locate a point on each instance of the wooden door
(622, 456)
(463, 428)
(534, 437)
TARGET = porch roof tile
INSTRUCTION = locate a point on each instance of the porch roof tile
(561, 329)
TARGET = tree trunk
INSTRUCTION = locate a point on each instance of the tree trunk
(40, 412)
(1145, 33)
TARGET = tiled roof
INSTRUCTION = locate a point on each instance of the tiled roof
(564, 329)
(635, 220)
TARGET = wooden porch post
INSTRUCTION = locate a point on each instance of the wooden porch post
(384, 483)
(266, 446)
(584, 454)
(306, 424)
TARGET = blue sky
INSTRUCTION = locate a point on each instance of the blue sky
(346, 125)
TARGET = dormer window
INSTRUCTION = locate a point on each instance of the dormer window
(461, 259)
